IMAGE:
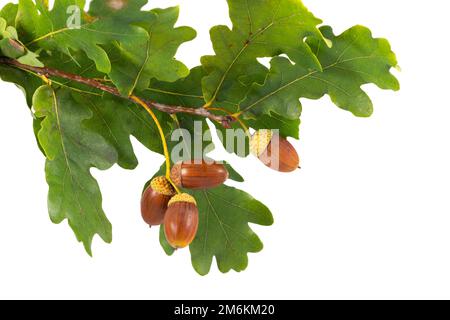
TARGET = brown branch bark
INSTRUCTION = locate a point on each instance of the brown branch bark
(170, 109)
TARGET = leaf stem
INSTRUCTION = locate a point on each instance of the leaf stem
(46, 80)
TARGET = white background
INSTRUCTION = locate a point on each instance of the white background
(367, 217)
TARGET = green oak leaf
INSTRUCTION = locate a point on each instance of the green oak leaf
(232, 173)
(287, 127)
(125, 8)
(27, 82)
(261, 28)
(191, 138)
(37, 123)
(72, 150)
(184, 92)
(224, 232)
(78, 64)
(136, 63)
(30, 58)
(141, 44)
(7, 31)
(234, 140)
(355, 59)
(9, 13)
(11, 47)
(58, 29)
(116, 119)
(163, 241)
(187, 92)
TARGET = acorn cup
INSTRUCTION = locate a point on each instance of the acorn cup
(198, 175)
(181, 221)
(274, 151)
(155, 200)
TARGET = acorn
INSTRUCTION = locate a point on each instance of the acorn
(274, 151)
(198, 174)
(181, 220)
(155, 200)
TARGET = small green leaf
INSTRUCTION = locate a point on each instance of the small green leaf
(31, 59)
(9, 13)
(11, 49)
(11, 33)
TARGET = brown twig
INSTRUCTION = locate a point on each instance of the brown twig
(170, 109)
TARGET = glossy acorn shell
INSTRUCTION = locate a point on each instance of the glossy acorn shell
(154, 206)
(181, 224)
(203, 175)
(287, 159)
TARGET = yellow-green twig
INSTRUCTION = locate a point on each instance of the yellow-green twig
(161, 133)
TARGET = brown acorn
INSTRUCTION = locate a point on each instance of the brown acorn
(198, 174)
(155, 200)
(274, 151)
(181, 220)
